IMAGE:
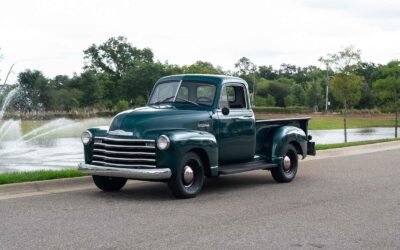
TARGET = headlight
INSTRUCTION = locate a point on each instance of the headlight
(86, 137)
(163, 142)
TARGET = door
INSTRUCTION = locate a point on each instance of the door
(236, 131)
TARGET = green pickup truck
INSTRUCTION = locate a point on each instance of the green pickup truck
(193, 126)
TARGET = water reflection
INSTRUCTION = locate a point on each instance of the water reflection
(358, 134)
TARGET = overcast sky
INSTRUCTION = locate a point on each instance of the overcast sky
(50, 35)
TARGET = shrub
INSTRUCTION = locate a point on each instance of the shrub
(121, 105)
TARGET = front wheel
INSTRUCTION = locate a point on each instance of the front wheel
(287, 168)
(188, 180)
(109, 184)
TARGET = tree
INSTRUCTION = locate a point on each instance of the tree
(345, 84)
(67, 99)
(201, 67)
(244, 66)
(267, 72)
(346, 89)
(280, 89)
(247, 70)
(389, 88)
(36, 91)
(298, 95)
(314, 96)
(139, 79)
(115, 56)
(90, 87)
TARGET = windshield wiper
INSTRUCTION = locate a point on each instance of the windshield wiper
(186, 100)
(166, 99)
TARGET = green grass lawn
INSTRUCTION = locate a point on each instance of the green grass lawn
(336, 122)
(16, 177)
(349, 144)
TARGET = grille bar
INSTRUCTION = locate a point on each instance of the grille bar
(106, 152)
(123, 159)
(121, 152)
(123, 140)
(102, 163)
(121, 146)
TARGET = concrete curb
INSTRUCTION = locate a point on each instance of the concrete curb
(355, 150)
(44, 187)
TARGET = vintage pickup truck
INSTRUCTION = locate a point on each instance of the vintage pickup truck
(193, 126)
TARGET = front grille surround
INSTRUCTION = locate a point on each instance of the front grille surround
(124, 153)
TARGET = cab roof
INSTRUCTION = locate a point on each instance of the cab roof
(216, 79)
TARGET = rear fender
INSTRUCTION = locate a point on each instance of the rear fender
(280, 136)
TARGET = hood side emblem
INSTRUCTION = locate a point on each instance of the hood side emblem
(203, 125)
(120, 132)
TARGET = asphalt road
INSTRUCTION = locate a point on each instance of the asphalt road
(350, 202)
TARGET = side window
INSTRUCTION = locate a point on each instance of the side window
(233, 97)
(230, 90)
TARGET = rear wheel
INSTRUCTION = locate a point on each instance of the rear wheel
(109, 184)
(287, 168)
(188, 180)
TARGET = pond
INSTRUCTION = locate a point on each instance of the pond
(35, 145)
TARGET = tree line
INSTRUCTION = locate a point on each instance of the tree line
(116, 73)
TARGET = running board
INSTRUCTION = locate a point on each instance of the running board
(244, 167)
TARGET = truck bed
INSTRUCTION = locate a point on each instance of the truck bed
(301, 122)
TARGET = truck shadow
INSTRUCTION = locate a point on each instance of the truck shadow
(156, 191)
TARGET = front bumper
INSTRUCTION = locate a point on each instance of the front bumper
(129, 173)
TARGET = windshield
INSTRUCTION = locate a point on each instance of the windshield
(194, 93)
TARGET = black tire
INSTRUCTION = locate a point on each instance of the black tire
(283, 173)
(109, 184)
(185, 189)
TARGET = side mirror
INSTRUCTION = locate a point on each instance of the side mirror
(225, 111)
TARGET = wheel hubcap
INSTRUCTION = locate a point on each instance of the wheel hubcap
(188, 175)
(286, 163)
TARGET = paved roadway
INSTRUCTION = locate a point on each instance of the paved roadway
(350, 202)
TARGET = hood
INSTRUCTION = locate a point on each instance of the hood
(147, 121)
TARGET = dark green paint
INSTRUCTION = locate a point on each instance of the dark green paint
(236, 137)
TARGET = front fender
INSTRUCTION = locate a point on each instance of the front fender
(282, 136)
(183, 141)
(88, 149)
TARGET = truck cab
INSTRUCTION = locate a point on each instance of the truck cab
(193, 126)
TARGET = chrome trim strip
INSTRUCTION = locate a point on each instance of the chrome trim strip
(123, 146)
(123, 152)
(120, 132)
(123, 159)
(177, 90)
(120, 139)
(141, 174)
(124, 165)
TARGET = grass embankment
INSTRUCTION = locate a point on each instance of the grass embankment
(16, 177)
(336, 122)
(350, 144)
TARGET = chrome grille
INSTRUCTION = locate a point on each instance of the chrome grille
(125, 153)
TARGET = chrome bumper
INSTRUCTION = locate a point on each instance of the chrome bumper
(129, 173)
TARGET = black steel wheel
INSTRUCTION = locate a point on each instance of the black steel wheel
(109, 184)
(287, 168)
(188, 180)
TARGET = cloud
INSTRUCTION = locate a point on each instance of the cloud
(51, 35)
